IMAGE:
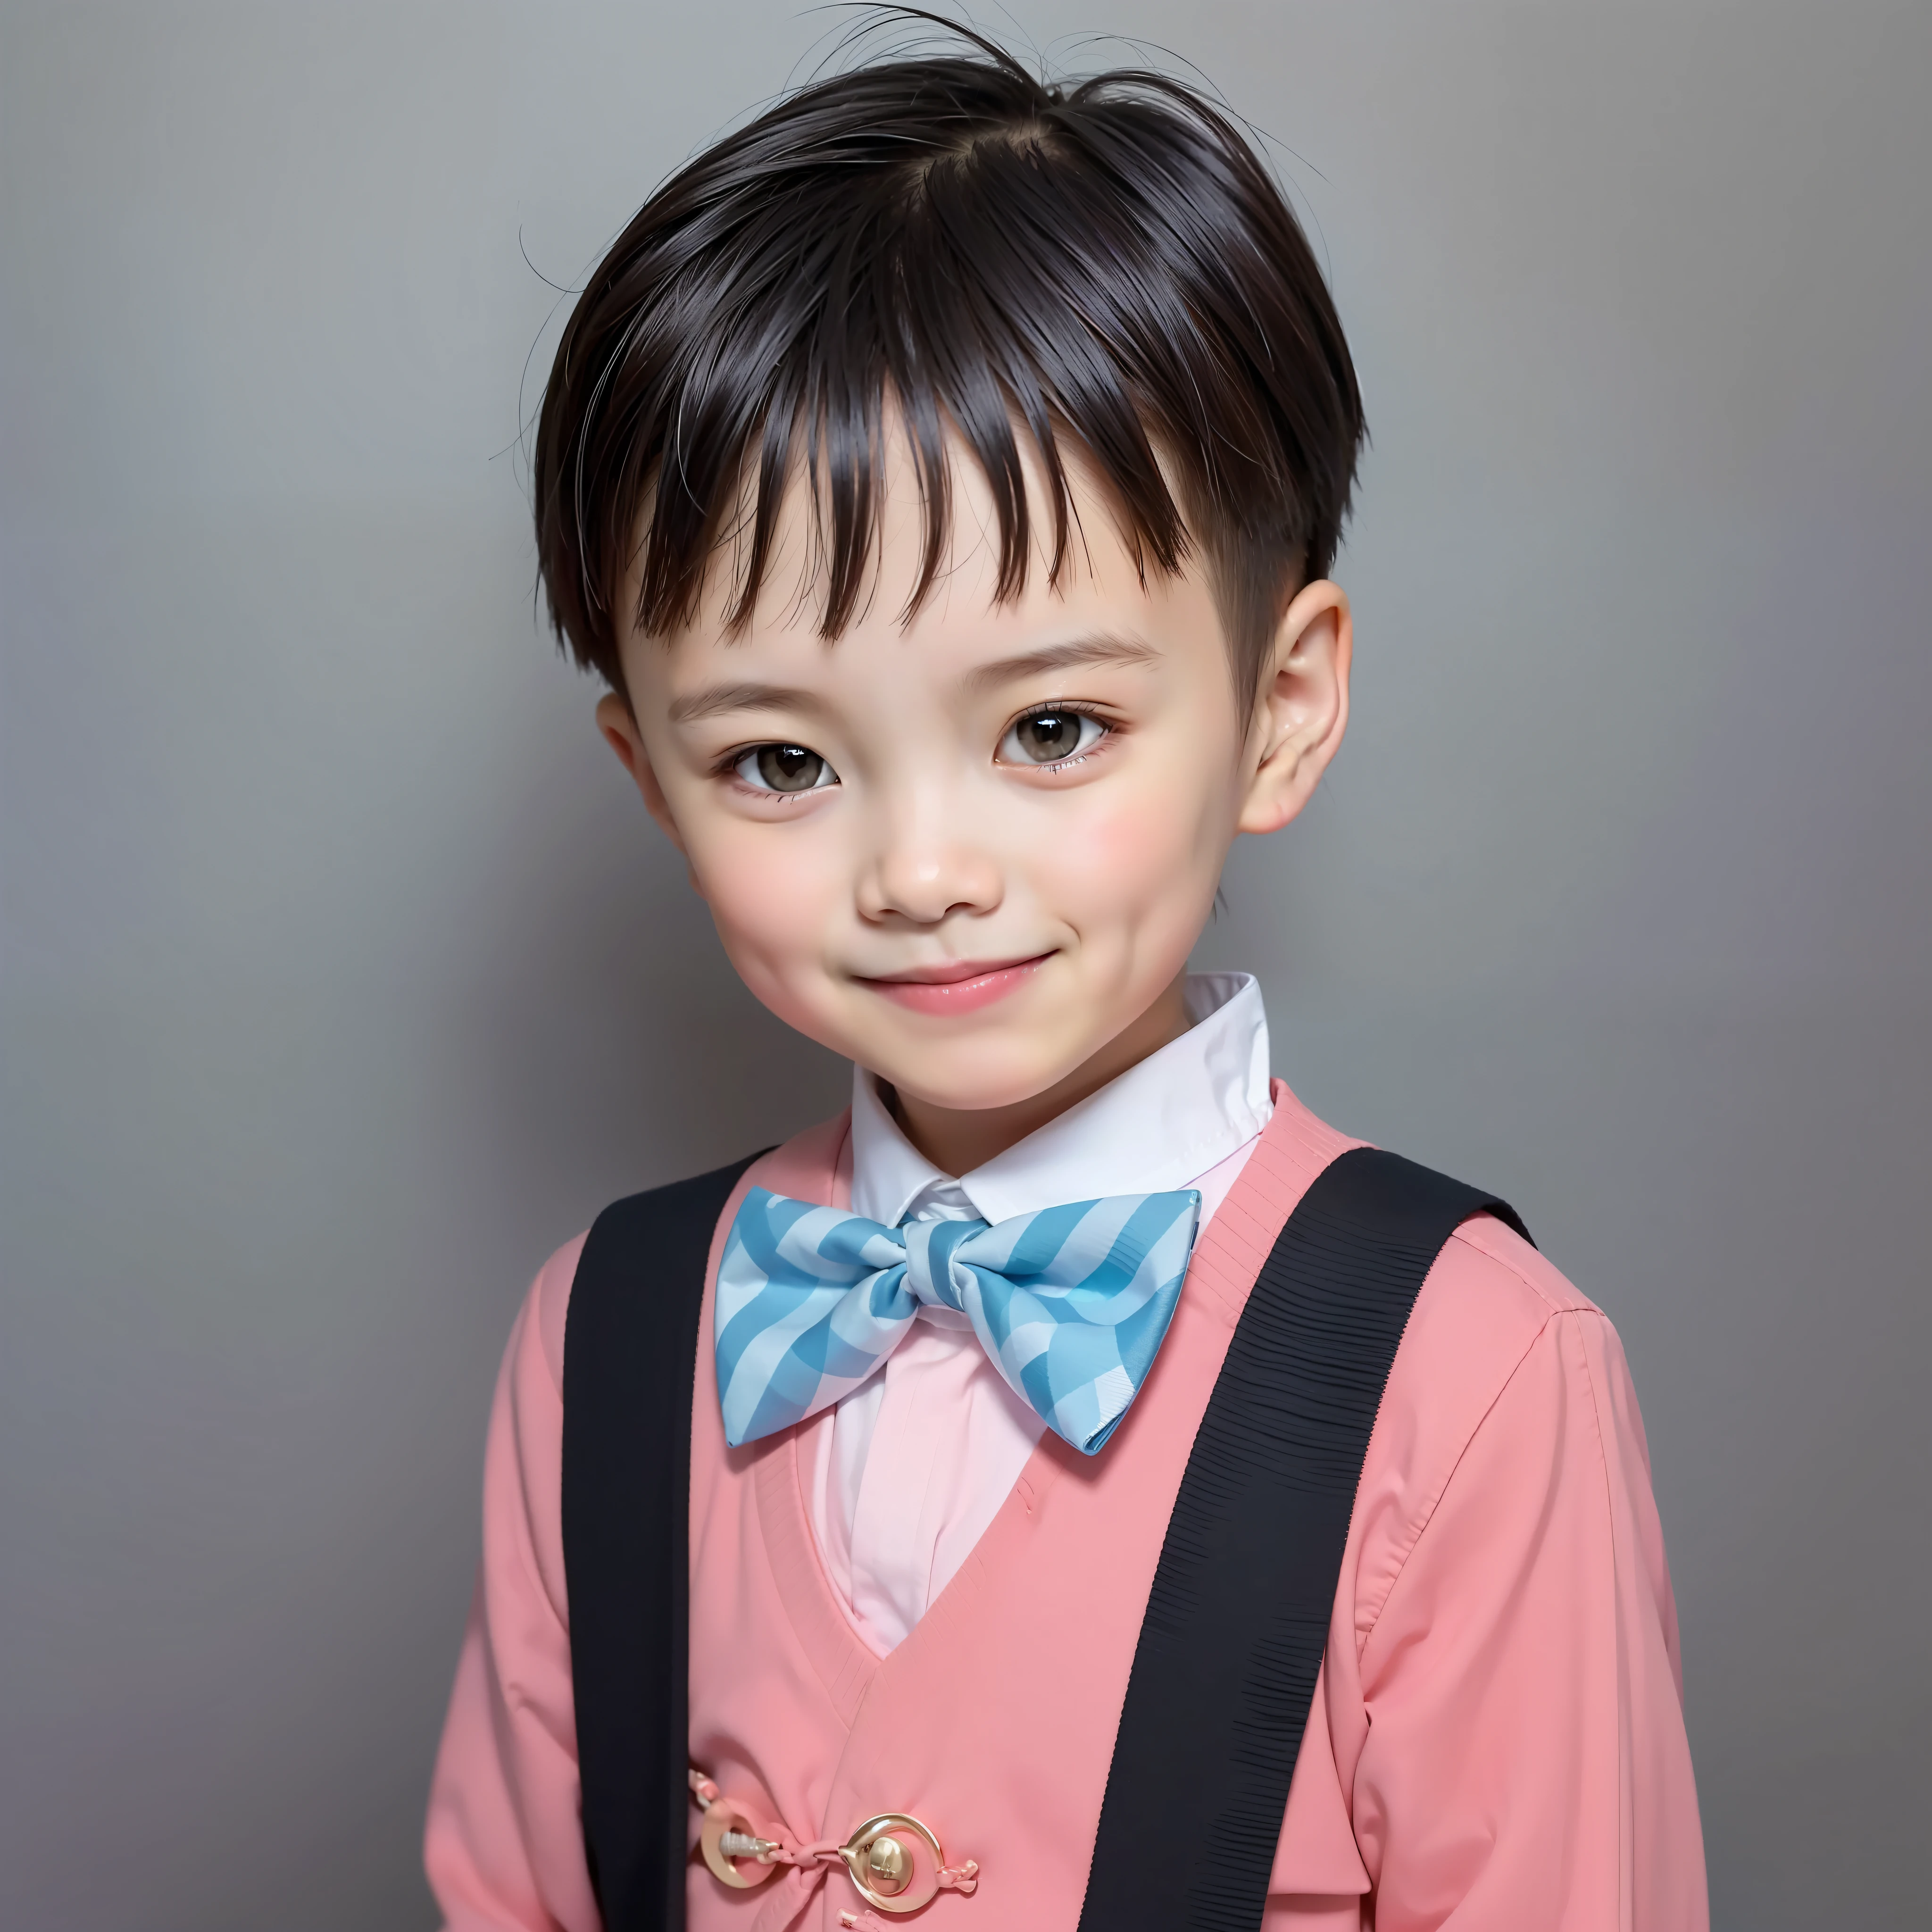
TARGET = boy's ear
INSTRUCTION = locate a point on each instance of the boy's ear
(620, 731)
(1301, 706)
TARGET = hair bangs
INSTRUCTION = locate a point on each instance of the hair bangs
(948, 252)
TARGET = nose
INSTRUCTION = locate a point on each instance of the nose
(923, 871)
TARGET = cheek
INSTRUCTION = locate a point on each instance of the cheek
(771, 905)
(1137, 851)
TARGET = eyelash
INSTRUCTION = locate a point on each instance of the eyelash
(727, 765)
(1068, 708)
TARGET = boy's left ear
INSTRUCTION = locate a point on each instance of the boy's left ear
(1301, 706)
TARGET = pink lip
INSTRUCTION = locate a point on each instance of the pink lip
(960, 986)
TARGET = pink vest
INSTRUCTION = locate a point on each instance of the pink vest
(994, 1722)
(1497, 1739)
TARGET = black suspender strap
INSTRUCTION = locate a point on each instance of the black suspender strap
(1225, 1670)
(629, 1361)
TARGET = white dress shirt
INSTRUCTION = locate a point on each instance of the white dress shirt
(904, 1474)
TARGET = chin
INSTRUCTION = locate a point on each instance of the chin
(970, 1077)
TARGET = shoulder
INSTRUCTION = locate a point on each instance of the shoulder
(1486, 1302)
(536, 1343)
(1491, 1310)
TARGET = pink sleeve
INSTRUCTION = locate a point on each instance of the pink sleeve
(503, 1847)
(1524, 1760)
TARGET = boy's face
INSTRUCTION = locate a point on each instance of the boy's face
(973, 852)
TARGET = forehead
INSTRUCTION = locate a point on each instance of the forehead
(1105, 581)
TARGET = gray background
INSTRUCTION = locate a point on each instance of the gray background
(343, 976)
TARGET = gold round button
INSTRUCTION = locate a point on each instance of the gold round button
(888, 1869)
(894, 1862)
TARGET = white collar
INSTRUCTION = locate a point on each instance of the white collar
(1162, 1124)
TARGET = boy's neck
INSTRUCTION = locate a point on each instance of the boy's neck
(957, 1140)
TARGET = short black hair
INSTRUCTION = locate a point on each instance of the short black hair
(1107, 262)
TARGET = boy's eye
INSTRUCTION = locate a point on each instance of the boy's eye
(785, 768)
(1049, 735)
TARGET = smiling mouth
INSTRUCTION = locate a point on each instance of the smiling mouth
(958, 986)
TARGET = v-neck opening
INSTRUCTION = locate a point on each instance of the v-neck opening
(846, 1663)
(1220, 1272)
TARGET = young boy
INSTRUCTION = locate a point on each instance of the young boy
(944, 472)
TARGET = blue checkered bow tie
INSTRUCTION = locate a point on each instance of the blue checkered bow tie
(1071, 1303)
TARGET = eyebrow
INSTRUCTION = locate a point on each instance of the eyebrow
(711, 699)
(1096, 650)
